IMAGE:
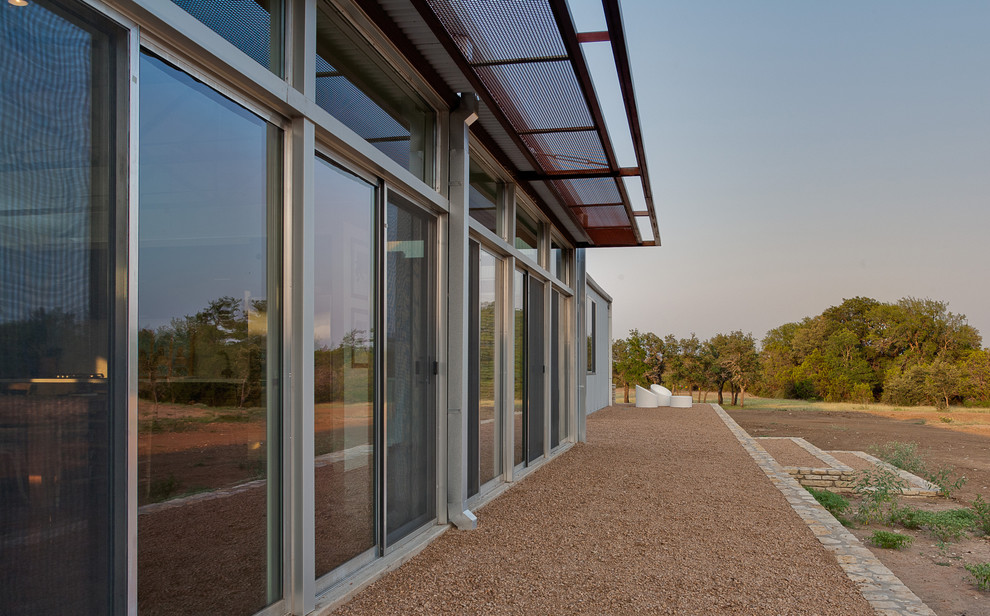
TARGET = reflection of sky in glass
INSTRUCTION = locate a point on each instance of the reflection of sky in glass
(344, 228)
(245, 23)
(45, 166)
(487, 265)
(202, 197)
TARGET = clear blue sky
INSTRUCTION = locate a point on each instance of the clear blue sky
(802, 153)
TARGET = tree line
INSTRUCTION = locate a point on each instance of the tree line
(910, 352)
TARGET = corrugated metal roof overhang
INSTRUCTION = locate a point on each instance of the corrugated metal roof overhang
(539, 114)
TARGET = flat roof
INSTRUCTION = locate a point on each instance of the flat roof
(540, 114)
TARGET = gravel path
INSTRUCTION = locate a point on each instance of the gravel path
(853, 461)
(661, 512)
(788, 453)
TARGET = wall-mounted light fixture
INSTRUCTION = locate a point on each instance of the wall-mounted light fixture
(18, 2)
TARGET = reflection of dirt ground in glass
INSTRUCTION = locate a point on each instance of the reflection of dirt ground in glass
(517, 445)
(344, 514)
(487, 448)
(203, 518)
(344, 491)
(205, 557)
(53, 500)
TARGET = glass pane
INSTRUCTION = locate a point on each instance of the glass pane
(519, 365)
(558, 265)
(527, 233)
(590, 335)
(490, 335)
(208, 523)
(484, 431)
(484, 198)
(56, 296)
(473, 373)
(535, 370)
(253, 26)
(555, 375)
(344, 383)
(410, 424)
(359, 88)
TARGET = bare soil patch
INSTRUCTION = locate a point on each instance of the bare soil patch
(933, 571)
(966, 451)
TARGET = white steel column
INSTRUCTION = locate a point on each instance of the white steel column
(299, 280)
(299, 302)
(458, 316)
(581, 370)
(548, 354)
(508, 341)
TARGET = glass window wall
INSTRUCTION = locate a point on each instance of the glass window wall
(527, 234)
(557, 376)
(253, 26)
(536, 369)
(344, 364)
(591, 326)
(359, 88)
(60, 361)
(519, 366)
(484, 427)
(209, 527)
(410, 388)
(558, 261)
(485, 199)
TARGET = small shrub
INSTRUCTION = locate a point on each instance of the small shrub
(905, 456)
(946, 526)
(945, 419)
(981, 575)
(949, 525)
(981, 509)
(943, 479)
(908, 517)
(890, 541)
(834, 503)
(902, 455)
(879, 488)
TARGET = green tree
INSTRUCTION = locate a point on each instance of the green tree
(637, 360)
(736, 362)
(975, 369)
(944, 382)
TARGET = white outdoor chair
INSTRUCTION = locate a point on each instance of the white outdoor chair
(681, 402)
(646, 399)
(662, 394)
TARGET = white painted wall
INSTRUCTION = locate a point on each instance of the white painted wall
(599, 383)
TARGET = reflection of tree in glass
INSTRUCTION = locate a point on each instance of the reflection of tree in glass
(47, 344)
(344, 372)
(487, 352)
(215, 357)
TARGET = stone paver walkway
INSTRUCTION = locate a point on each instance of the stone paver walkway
(880, 587)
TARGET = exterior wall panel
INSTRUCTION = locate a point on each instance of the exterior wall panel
(599, 382)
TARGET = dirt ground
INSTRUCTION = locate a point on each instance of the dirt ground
(932, 570)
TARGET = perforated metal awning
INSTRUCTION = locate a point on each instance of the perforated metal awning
(523, 58)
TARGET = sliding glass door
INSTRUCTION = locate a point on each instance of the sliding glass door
(209, 303)
(62, 344)
(410, 368)
(536, 370)
(560, 381)
(484, 343)
(344, 367)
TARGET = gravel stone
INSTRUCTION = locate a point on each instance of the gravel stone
(660, 512)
